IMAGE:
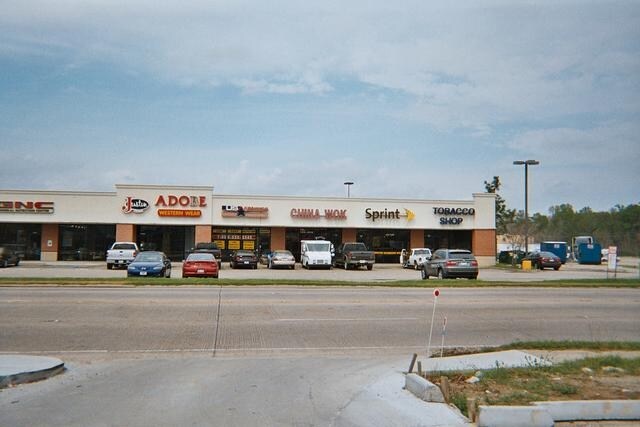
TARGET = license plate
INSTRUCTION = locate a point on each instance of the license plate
(363, 261)
(200, 271)
(143, 273)
(246, 262)
(464, 264)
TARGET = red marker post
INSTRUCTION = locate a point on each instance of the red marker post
(436, 294)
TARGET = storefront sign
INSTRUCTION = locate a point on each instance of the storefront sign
(374, 215)
(180, 213)
(232, 211)
(453, 216)
(183, 201)
(337, 214)
(30, 207)
(132, 205)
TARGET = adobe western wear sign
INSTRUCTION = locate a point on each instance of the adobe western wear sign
(184, 201)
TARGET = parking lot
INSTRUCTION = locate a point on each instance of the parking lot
(628, 269)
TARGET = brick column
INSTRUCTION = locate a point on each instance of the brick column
(416, 239)
(349, 235)
(484, 246)
(203, 233)
(277, 238)
(125, 233)
(49, 242)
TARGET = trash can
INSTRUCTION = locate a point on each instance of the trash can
(526, 264)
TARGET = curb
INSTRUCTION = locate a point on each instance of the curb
(16, 370)
(423, 389)
(595, 410)
(544, 414)
(514, 416)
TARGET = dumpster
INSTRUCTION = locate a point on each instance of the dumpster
(589, 253)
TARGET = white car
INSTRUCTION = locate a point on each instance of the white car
(417, 257)
(281, 259)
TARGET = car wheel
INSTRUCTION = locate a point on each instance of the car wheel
(215, 276)
(18, 262)
(255, 266)
(293, 267)
(440, 274)
(231, 265)
(423, 274)
(109, 266)
(473, 277)
(370, 267)
(4, 263)
(346, 265)
(556, 268)
(415, 265)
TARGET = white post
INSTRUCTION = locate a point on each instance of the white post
(436, 292)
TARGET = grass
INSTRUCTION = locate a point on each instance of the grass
(578, 283)
(563, 381)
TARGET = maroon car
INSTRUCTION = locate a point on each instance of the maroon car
(200, 264)
(544, 260)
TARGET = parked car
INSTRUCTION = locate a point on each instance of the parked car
(543, 260)
(282, 258)
(451, 263)
(209, 248)
(243, 258)
(8, 257)
(416, 258)
(200, 264)
(264, 258)
(150, 263)
(121, 254)
(353, 255)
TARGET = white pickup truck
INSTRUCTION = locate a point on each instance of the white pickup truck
(415, 258)
(121, 254)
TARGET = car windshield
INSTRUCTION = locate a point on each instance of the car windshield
(421, 252)
(125, 246)
(548, 254)
(318, 247)
(244, 253)
(147, 257)
(200, 257)
(355, 247)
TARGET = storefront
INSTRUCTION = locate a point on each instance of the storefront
(57, 225)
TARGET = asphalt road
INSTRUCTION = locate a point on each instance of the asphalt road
(249, 321)
(269, 356)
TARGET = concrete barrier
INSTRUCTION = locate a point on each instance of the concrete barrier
(423, 389)
(593, 410)
(514, 416)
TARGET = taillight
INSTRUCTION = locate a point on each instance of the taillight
(452, 263)
(474, 263)
(135, 253)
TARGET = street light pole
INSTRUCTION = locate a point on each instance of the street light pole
(348, 184)
(526, 164)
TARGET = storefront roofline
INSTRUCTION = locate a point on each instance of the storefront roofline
(208, 188)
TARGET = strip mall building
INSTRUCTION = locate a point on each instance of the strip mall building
(64, 225)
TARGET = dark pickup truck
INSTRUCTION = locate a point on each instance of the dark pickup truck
(353, 255)
(209, 248)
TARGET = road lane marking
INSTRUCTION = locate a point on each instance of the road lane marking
(349, 319)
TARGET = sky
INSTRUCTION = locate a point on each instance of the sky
(407, 99)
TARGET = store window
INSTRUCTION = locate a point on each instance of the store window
(293, 236)
(24, 239)
(175, 241)
(387, 244)
(84, 242)
(247, 238)
(447, 239)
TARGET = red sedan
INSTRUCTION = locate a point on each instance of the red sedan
(200, 265)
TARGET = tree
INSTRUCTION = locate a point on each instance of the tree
(504, 216)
